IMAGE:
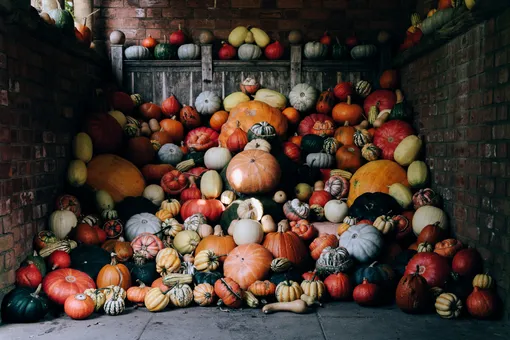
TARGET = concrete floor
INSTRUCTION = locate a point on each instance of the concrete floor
(333, 321)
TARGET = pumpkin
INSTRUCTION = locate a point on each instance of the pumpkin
(370, 152)
(211, 209)
(412, 295)
(62, 283)
(467, 262)
(425, 247)
(218, 119)
(482, 304)
(79, 306)
(427, 215)
(321, 197)
(201, 139)
(448, 306)
(375, 176)
(382, 99)
(61, 222)
(28, 276)
(137, 53)
(389, 79)
(262, 288)
(337, 187)
(390, 135)
(362, 241)
(206, 260)
(296, 210)
(229, 292)
(363, 88)
(304, 229)
(325, 102)
(320, 160)
(332, 260)
(437, 19)
(335, 211)
(249, 52)
(321, 243)
(119, 177)
(339, 51)
(189, 117)
(194, 221)
(170, 154)
(216, 158)
(188, 51)
(207, 103)
(68, 202)
(314, 50)
(174, 182)
(167, 261)
(247, 231)
(448, 248)
(362, 52)
(287, 244)
(23, 304)
(227, 51)
(114, 274)
(288, 290)
(431, 266)
(181, 295)
(104, 131)
(44, 238)
(482, 281)
(156, 299)
(347, 112)
(317, 124)
(237, 140)
(247, 263)
(141, 223)
(203, 294)
(345, 134)
(424, 197)
(136, 294)
(330, 146)
(338, 286)
(302, 97)
(432, 234)
(366, 294)
(186, 241)
(147, 244)
(385, 224)
(314, 288)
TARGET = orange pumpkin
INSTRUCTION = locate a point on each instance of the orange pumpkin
(229, 292)
(348, 157)
(219, 243)
(347, 112)
(218, 119)
(158, 283)
(115, 274)
(389, 79)
(150, 111)
(285, 243)
(237, 140)
(137, 294)
(247, 263)
(170, 106)
(262, 288)
(448, 247)
(345, 134)
(119, 177)
(149, 42)
(249, 113)
(79, 306)
(326, 102)
(174, 128)
(376, 176)
(162, 137)
(123, 251)
(296, 140)
(321, 242)
(253, 172)
(189, 117)
(292, 115)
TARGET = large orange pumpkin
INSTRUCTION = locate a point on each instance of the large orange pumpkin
(253, 172)
(345, 134)
(219, 243)
(249, 113)
(218, 119)
(140, 151)
(247, 263)
(115, 274)
(286, 243)
(119, 177)
(174, 128)
(348, 157)
(376, 176)
(105, 132)
(347, 112)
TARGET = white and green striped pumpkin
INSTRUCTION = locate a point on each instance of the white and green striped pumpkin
(137, 99)
(280, 265)
(330, 146)
(109, 214)
(131, 130)
(362, 137)
(262, 130)
(370, 152)
(181, 295)
(137, 53)
(114, 305)
(363, 88)
(302, 97)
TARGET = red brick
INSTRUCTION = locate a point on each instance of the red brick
(6, 242)
(7, 278)
(246, 3)
(155, 3)
(289, 3)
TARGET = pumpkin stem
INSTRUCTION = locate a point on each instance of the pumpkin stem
(113, 261)
(348, 100)
(179, 27)
(140, 283)
(400, 96)
(417, 270)
(218, 231)
(37, 291)
(120, 275)
(283, 226)
(373, 264)
(91, 14)
(346, 123)
(35, 253)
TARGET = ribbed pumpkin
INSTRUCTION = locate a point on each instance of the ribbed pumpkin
(348, 157)
(253, 172)
(287, 244)
(115, 274)
(347, 112)
(229, 292)
(61, 283)
(389, 136)
(345, 134)
(218, 119)
(320, 243)
(237, 140)
(219, 243)
(247, 263)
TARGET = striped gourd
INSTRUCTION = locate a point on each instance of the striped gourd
(173, 279)
(280, 265)
(134, 121)
(137, 99)
(181, 295)
(114, 306)
(155, 300)
(363, 88)
(185, 165)
(342, 173)
(250, 299)
(370, 152)
(330, 145)
(64, 245)
(109, 214)
(362, 137)
(91, 220)
(131, 130)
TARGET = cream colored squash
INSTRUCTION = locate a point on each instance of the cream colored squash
(61, 222)
(417, 174)
(401, 194)
(227, 197)
(429, 215)
(186, 241)
(119, 117)
(82, 147)
(335, 211)
(470, 4)
(248, 231)
(216, 158)
(77, 173)
(408, 150)
(104, 200)
(154, 193)
(211, 184)
(237, 36)
(233, 99)
(272, 98)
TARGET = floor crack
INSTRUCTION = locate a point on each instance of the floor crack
(322, 327)
(144, 327)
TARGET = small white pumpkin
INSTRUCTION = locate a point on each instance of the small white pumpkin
(335, 211)
(170, 154)
(207, 103)
(249, 52)
(104, 200)
(429, 215)
(258, 144)
(188, 52)
(302, 97)
(211, 184)
(137, 53)
(141, 223)
(216, 158)
(272, 98)
(154, 193)
(314, 50)
(401, 194)
(61, 223)
(248, 231)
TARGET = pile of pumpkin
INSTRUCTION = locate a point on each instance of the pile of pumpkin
(272, 177)
(434, 21)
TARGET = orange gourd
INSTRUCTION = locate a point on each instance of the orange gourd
(347, 112)
(137, 294)
(345, 134)
(321, 242)
(189, 117)
(287, 244)
(325, 102)
(149, 42)
(174, 128)
(229, 292)
(79, 306)
(158, 283)
(296, 140)
(247, 263)
(119, 177)
(237, 140)
(218, 119)
(115, 274)
(292, 115)
(348, 157)
(219, 243)
(162, 137)
(170, 106)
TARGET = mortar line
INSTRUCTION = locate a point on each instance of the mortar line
(144, 327)
(321, 326)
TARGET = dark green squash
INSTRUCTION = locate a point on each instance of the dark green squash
(165, 51)
(400, 262)
(400, 111)
(223, 175)
(378, 273)
(307, 174)
(229, 215)
(371, 205)
(38, 261)
(339, 51)
(63, 20)
(24, 305)
(312, 143)
(293, 274)
(460, 286)
(89, 259)
(145, 272)
(134, 205)
(197, 156)
(206, 277)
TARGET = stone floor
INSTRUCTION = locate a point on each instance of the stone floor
(333, 321)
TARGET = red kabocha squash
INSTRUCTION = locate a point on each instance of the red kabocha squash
(174, 128)
(345, 134)
(86, 234)
(227, 51)
(347, 112)
(343, 90)
(432, 234)
(218, 119)
(177, 38)
(68, 202)
(162, 137)
(105, 132)
(173, 182)
(389, 79)
(274, 51)
(287, 244)
(348, 157)
(115, 274)
(292, 151)
(325, 39)
(139, 151)
(192, 192)
(325, 102)
(247, 263)
(366, 294)
(211, 209)
(467, 263)
(448, 248)
(59, 259)
(149, 42)
(62, 283)
(147, 244)
(320, 197)
(189, 117)
(201, 139)
(412, 295)
(389, 136)
(317, 124)
(339, 286)
(237, 140)
(170, 106)
(150, 111)
(304, 229)
(121, 101)
(219, 243)
(431, 266)
(229, 292)
(154, 172)
(320, 243)
(79, 306)
(383, 99)
(28, 276)
(482, 303)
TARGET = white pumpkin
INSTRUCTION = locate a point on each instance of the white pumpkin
(258, 144)
(363, 242)
(315, 50)
(272, 98)
(170, 154)
(216, 158)
(154, 193)
(141, 223)
(207, 103)
(233, 99)
(186, 241)
(401, 194)
(227, 197)
(429, 215)
(104, 200)
(303, 97)
(408, 150)
(61, 223)
(248, 231)
(335, 211)
(188, 52)
(137, 53)
(249, 52)
(280, 197)
(211, 184)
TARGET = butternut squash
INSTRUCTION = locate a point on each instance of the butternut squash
(297, 306)
(310, 301)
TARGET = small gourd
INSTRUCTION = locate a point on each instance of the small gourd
(181, 295)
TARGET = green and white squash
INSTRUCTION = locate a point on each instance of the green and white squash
(208, 103)
(333, 260)
(181, 295)
(262, 130)
(194, 221)
(131, 130)
(314, 50)
(188, 52)
(109, 214)
(64, 245)
(320, 160)
(330, 145)
(114, 305)
(137, 53)
(137, 99)
(141, 223)
(170, 154)
(280, 265)
(63, 20)
(363, 88)
(302, 97)
(249, 52)
(363, 52)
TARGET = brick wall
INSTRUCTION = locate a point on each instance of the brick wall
(43, 91)
(460, 94)
(139, 18)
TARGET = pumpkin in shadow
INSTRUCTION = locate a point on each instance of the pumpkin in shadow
(135, 205)
(89, 259)
(371, 205)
